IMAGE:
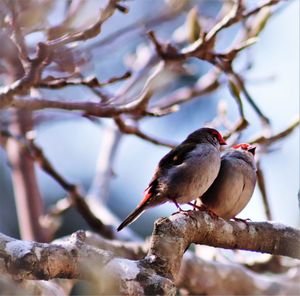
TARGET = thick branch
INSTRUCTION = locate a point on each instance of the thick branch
(92, 257)
(179, 231)
(69, 259)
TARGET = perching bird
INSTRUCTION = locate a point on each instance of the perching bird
(234, 186)
(184, 173)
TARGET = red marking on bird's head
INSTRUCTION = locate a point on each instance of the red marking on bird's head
(246, 147)
(219, 137)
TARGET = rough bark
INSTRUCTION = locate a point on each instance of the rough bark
(118, 267)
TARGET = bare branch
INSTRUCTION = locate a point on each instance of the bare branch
(177, 232)
(262, 188)
(248, 97)
(270, 140)
(84, 257)
(206, 84)
(69, 259)
(201, 277)
(22, 86)
(90, 32)
(134, 130)
(55, 83)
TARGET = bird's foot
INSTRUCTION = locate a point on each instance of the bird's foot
(184, 212)
(188, 213)
(242, 220)
(194, 205)
(212, 214)
(181, 211)
(204, 208)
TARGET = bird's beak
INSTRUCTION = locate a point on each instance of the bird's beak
(252, 149)
(222, 142)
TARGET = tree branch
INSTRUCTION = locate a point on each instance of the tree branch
(177, 232)
(92, 257)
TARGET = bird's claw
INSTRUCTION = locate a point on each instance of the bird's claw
(187, 213)
(242, 220)
(212, 214)
(208, 211)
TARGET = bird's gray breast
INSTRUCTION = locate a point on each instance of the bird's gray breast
(232, 189)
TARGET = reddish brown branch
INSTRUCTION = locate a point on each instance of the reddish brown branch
(134, 130)
(271, 139)
(22, 86)
(263, 190)
(55, 83)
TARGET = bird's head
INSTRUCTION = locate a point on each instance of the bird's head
(245, 147)
(206, 135)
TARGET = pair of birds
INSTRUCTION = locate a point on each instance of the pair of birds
(194, 170)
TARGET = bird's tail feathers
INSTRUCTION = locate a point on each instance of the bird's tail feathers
(132, 216)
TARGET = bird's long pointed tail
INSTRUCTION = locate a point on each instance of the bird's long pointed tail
(132, 216)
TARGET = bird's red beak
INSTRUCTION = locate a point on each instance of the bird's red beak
(222, 141)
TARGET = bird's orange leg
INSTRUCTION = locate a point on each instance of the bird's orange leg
(205, 209)
(180, 210)
(242, 220)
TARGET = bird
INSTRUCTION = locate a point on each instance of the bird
(232, 189)
(184, 173)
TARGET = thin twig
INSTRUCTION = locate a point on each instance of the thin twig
(270, 140)
(262, 188)
(134, 130)
(55, 83)
(248, 97)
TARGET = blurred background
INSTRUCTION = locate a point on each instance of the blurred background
(74, 143)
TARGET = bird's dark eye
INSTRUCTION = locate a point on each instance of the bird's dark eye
(218, 136)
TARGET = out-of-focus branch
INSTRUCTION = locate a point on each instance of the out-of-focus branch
(262, 188)
(100, 187)
(44, 51)
(91, 31)
(17, 32)
(248, 97)
(29, 202)
(134, 130)
(22, 86)
(238, 127)
(90, 108)
(77, 199)
(203, 49)
(259, 7)
(239, 280)
(141, 24)
(235, 15)
(271, 139)
(206, 84)
(55, 83)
